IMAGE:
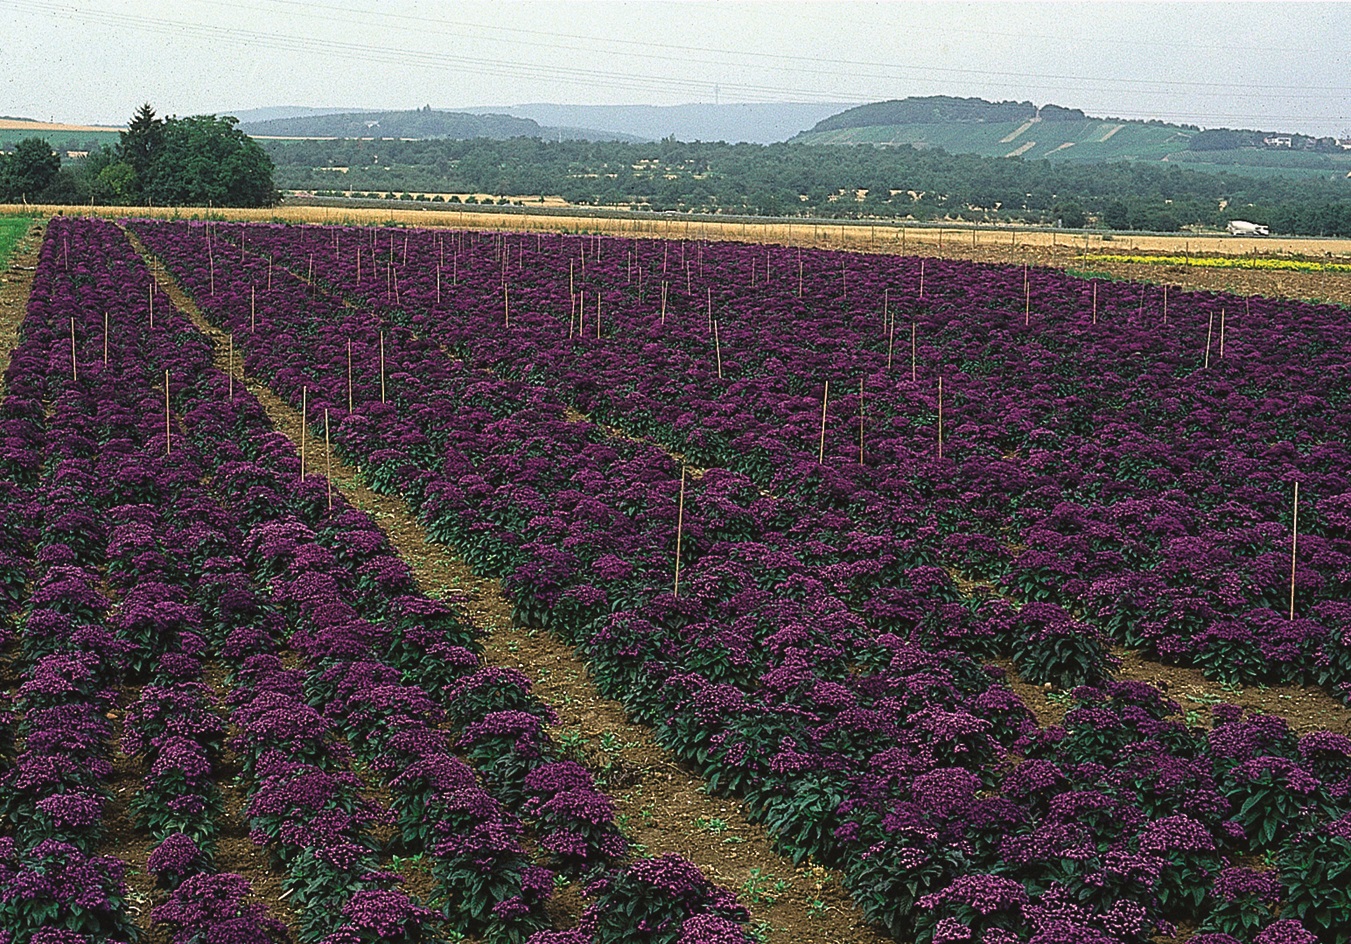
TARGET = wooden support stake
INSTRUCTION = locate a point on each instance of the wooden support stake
(914, 325)
(710, 308)
(1095, 301)
(1209, 331)
(664, 287)
(309, 275)
(1221, 334)
(821, 452)
(74, 373)
(152, 298)
(382, 367)
(921, 278)
(860, 421)
(105, 339)
(1165, 304)
(891, 342)
(438, 285)
(1027, 302)
(304, 426)
(253, 310)
(799, 272)
(506, 307)
(269, 273)
(680, 528)
(1294, 548)
(940, 417)
(230, 364)
(717, 349)
(349, 375)
(168, 449)
(328, 460)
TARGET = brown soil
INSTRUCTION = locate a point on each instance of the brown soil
(123, 840)
(235, 851)
(661, 805)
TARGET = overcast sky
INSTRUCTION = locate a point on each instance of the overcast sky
(1274, 66)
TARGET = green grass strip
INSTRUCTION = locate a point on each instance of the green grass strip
(12, 229)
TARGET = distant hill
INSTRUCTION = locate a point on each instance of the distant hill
(423, 123)
(761, 123)
(1022, 129)
(251, 115)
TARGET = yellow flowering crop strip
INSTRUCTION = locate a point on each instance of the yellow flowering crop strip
(1224, 262)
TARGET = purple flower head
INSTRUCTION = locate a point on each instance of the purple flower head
(1286, 931)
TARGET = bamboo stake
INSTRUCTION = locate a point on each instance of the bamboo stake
(921, 278)
(891, 342)
(799, 272)
(1165, 304)
(913, 328)
(269, 273)
(382, 367)
(328, 460)
(1095, 302)
(860, 421)
(1294, 548)
(438, 285)
(168, 448)
(1221, 334)
(664, 287)
(821, 452)
(680, 528)
(230, 364)
(74, 374)
(304, 426)
(940, 417)
(253, 310)
(358, 263)
(152, 297)
(349, 375)
(1027, 301)
(105, 339)
(717, 349)
(710, 308)
(1209, 331)
(506, 307)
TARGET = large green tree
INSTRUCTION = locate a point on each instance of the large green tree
(27, 173)
(140, 143)
(207, 161)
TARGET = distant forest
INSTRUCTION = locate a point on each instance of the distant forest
(831, 181)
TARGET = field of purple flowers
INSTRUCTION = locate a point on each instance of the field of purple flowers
(876, 474)
(159, 533)
(787, 505)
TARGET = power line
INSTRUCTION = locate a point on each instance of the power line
(609, 80)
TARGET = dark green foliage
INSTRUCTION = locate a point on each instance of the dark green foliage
(820, 181)
(208, 161)
(26, 174)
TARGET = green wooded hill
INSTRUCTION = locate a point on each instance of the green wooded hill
(1021, 129)
(419, 124)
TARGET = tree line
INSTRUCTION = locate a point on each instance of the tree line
(843, 181)
(202, 160)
